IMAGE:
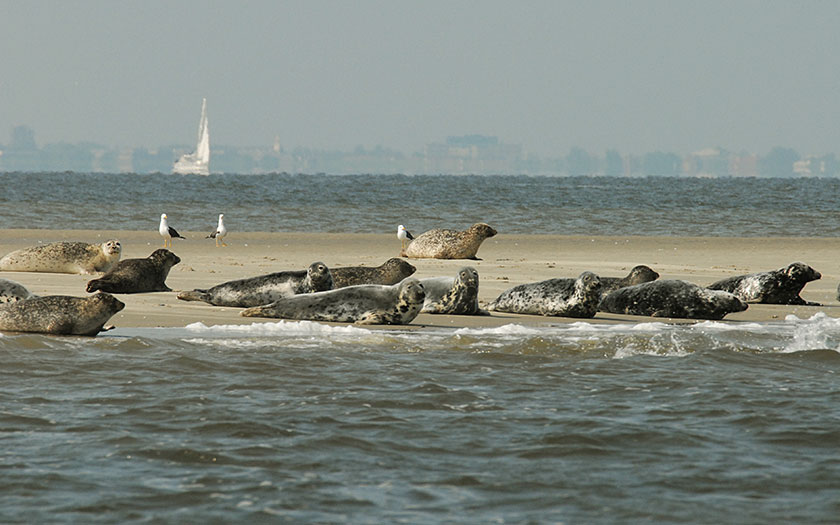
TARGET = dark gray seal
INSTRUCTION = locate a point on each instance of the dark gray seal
(362, 304)
(12, 291)
(555, 297)
(449, 244)
(638, 275)
(60, 314)
(672, 298)
(453, 295)
(265, 289)
(780, 286)
(137, 275)
(391, 271)
(64, 257)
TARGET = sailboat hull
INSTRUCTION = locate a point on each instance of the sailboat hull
(198, 162)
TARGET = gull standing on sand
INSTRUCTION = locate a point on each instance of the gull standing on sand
(220, 231)
(167, 232)
(403, 235)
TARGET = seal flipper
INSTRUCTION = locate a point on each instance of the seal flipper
(371, 318)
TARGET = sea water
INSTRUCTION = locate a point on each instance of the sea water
(298, 422)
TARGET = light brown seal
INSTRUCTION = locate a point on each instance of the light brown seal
(362, 304)
(449, 244)
(64, 257)
(60, 314)
(391, 271)
(137, 275)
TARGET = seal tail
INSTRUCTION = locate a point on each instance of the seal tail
(194, 295)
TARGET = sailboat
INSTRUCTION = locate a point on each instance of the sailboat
(198, 162)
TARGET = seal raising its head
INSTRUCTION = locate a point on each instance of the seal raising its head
(638, 275)
(672, 298)
(256, 291)
(391, 271)
(11, 291)
(64, 257)
(448, 295)
(138, 275)
(561, 297)
(60, 314)
(449, 244)
(362, 304)
(780, 286)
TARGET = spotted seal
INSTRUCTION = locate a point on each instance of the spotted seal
(453, 295)
(60, 314)
(137, 275)
(780, 286)
(362, 304)
(555, 297)
(11, 291)
(391, 271)
(672, 298)
(264, 289)
(449, 244)
(64, 257)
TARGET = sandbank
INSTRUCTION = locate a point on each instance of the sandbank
(505, 261)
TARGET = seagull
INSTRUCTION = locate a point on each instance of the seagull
(403, 235)
(167, 231)
(220, 231)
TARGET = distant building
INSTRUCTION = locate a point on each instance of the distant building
(472, 154)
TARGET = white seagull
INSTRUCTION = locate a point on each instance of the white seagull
(220, 232)
(167, 232)
(403, 235)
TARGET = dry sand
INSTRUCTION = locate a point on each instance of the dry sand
(506, 260)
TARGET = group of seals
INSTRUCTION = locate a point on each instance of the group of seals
(138, 275)
(64, 257)
(264, 289)
(442, 243)
(60, 314)
(361, 304)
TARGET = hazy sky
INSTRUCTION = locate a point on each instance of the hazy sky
(636, 75)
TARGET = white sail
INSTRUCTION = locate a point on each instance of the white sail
(198, 162)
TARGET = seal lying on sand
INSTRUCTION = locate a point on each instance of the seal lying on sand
(558, 297)
(391, 271)
(453, 295)
(780, 286)
(60, 314)
(362, 304)
(638, 275)
(11, 291)
(138, 275)
(256, 291)
(64, 257)
(449, 244)
(672, 298)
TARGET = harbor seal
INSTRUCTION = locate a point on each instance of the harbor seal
(264, 289)
(137, 275)
(449, 244)
(672, 298)
(60, 314)
(64, 257)
(453, 295)
(391, 271)
(780, 286)
(362, 304)
(11, 291)
(554, 297)
(638, 275)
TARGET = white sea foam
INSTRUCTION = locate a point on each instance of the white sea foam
(278, 328)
